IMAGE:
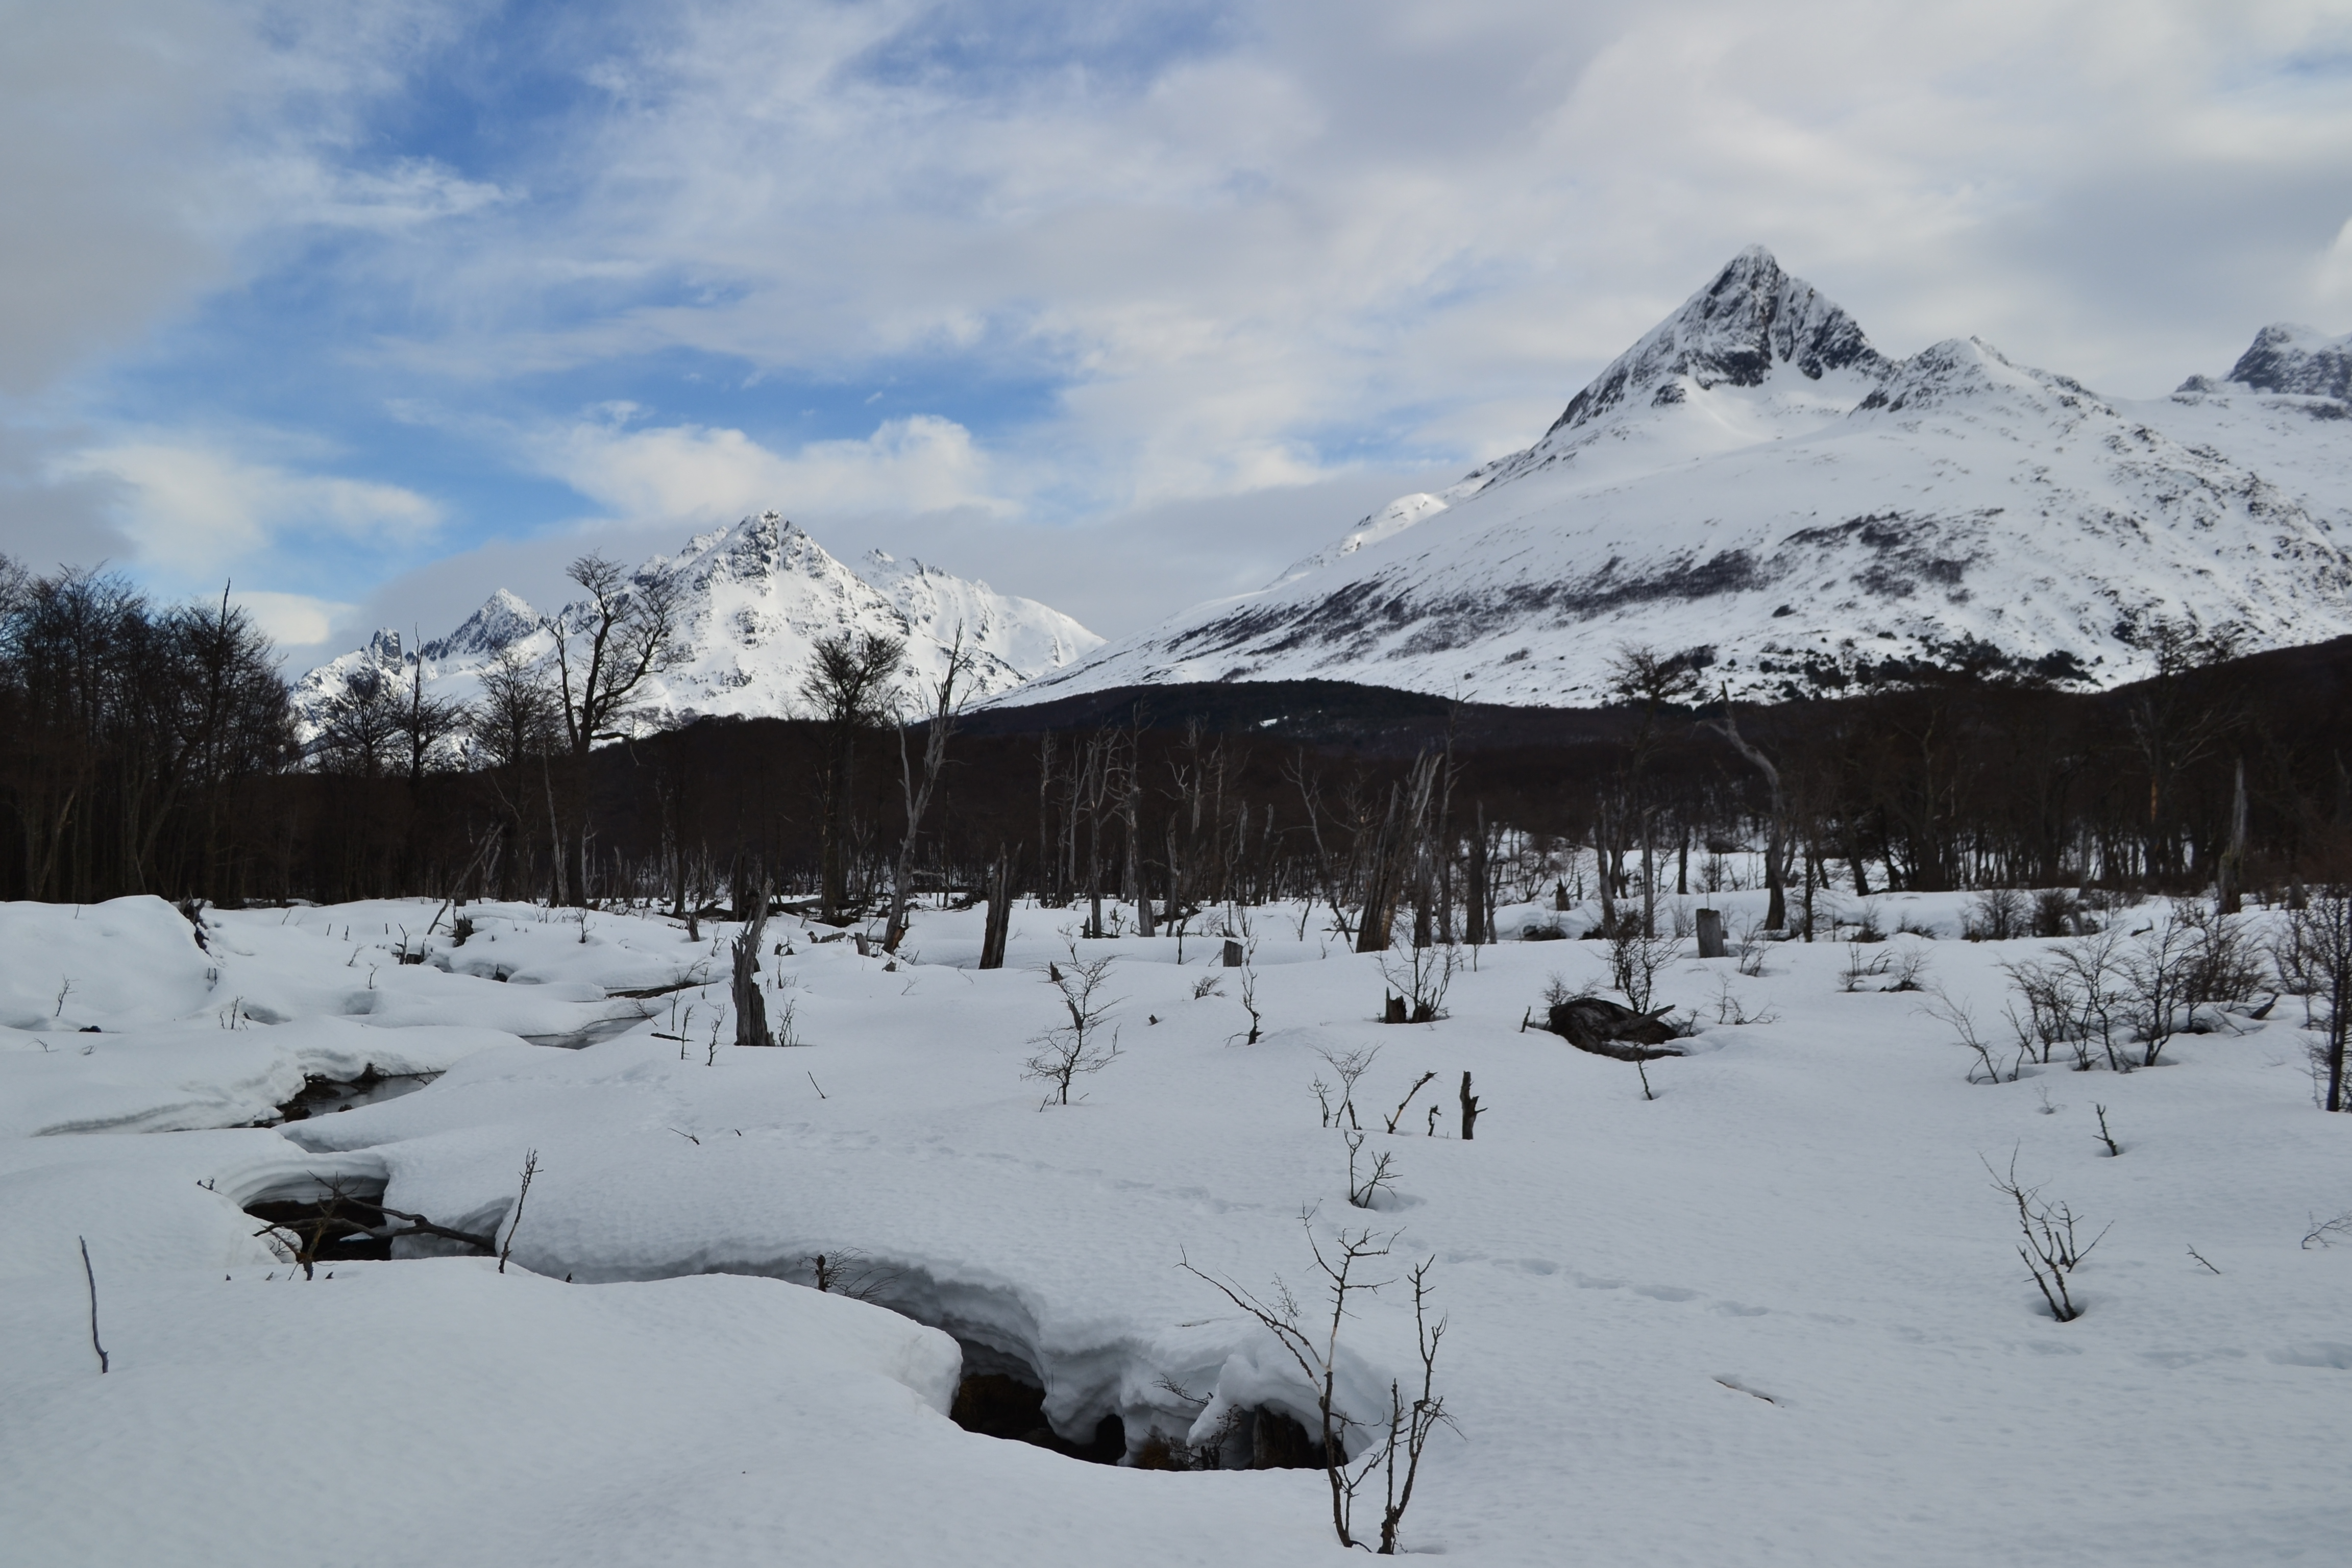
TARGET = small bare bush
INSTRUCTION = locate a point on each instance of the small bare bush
(1421, 975)
(2327, 1232)
(1748, 947)
(1078, 1047)
(1634, 961)
(1960, 1019)
(2158, 971)
(1908, 962)
(1730, 1009)
(2226, 965)
(1364, 1190)
(1348, 1066)
(1396, 1439)
(1862, 965)
(1997, 914)
(2050, 1248)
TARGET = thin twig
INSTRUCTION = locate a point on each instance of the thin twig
(90, 1274)
(529, 1168)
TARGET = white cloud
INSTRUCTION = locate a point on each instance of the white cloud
(2334, 284)
(413, 191)
(190, 510)
(693, 472)
(292, 620)
(1354, 222)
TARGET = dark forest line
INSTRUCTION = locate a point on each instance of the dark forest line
(152, 750)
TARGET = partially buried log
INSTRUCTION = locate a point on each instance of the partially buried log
(1606, 1030)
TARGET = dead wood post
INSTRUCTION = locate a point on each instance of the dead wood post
(1000, 912)
(1710, 934)
(1470, 1109)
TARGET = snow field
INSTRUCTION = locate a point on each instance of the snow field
(1773, 1316)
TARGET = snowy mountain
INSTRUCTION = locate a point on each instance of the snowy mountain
(754, 599)
(1754, 483)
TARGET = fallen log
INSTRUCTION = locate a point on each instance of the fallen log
(1606, 1030)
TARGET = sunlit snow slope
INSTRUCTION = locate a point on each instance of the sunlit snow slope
(755, 599)
(1754, 483)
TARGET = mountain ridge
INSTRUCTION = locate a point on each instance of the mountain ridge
(754, 598)
(1755, 486)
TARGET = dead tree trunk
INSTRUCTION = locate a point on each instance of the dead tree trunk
(999, 913)
(751, 1008)
(1776, 916)
(1474, 883)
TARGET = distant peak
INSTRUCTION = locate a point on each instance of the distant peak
(2298, 361)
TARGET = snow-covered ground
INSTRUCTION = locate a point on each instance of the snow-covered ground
(1773, 1316)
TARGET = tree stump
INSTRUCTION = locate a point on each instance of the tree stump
(1711, 935)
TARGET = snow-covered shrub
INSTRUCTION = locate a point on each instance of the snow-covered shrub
(1420, 977)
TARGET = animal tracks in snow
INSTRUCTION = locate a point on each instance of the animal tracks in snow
(1544, 1267)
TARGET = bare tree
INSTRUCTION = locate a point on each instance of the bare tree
(425, 723)
(1776, 915)
(848, 688)
(2317, 956)
(1348, 1066)
(1650, 682)
(360, 726)
(947, 703)
(514, 718)
(607, 644)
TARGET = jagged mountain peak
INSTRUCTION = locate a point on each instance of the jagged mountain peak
(504, 619)
(1751, 320)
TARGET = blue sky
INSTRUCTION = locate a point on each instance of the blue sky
(375, 308)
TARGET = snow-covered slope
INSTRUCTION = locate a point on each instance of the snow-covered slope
(754, 600)
(1754, 483)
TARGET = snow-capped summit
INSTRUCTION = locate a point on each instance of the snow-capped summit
(752, 601)
(1753, 321)
(1756, 485)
